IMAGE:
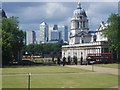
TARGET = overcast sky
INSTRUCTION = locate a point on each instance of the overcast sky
(31, 14)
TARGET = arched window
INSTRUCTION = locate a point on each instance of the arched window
(83, 24)
(82, 41)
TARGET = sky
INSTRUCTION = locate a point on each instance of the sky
(32, 14)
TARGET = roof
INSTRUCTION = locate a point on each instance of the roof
(43, 23)
(79, 11)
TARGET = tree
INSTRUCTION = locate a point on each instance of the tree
(112, 32)
(12, 40)
(49, 48)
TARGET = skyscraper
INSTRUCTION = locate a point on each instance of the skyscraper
(64, 32)
(56, 35)
(43, 32)
(30, 37)
(58, 32)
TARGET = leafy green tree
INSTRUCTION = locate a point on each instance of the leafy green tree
(49, 48)
(112, 32)
(12, 40)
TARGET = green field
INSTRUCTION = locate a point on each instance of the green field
(40, 69)
(57, 77)
(109, 65)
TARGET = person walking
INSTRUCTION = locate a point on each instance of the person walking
(64, 61)
(58, 61)
(81, 60)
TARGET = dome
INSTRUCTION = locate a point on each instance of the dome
(79, 11)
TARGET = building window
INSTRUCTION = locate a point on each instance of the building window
(83, 24)
(82, 41)
(80, 17)
(77, 24)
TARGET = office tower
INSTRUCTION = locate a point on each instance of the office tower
(43, 32)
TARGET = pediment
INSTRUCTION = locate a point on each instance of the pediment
(82, 33)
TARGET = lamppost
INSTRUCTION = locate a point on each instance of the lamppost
(29, 74)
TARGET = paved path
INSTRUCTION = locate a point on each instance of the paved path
(35, 74)
(97, 69)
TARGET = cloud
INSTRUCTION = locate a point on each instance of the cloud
(31, 14)
(49, 12)
(99, 11)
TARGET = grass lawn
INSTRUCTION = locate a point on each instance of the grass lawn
(109, 65)
(57, 80)
(62, 81)
(40, 69)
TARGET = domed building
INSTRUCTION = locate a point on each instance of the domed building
(83, 42)
(79, 27)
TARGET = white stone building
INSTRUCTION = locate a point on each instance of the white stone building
(81, 40)
(79, 27)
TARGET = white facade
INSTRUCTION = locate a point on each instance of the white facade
(49, 31)
(85, 48)
(43, 32)
(99, 34)
(38, 36)
(30, 37)
(79, 27)
(81, 40)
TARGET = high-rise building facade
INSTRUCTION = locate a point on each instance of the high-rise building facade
(30, 37)
(55, 35)
(64, 32)
(43, 32)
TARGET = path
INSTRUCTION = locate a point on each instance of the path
(97, 69)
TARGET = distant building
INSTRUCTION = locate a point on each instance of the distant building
(43, 32)
(55, 35)
(48, 34)
(55, 27)
(49, 31)
(30, 37)
(38, 36)
(64, 32)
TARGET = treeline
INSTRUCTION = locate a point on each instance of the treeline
(112, 32)
(49, 49)
(13, 43)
